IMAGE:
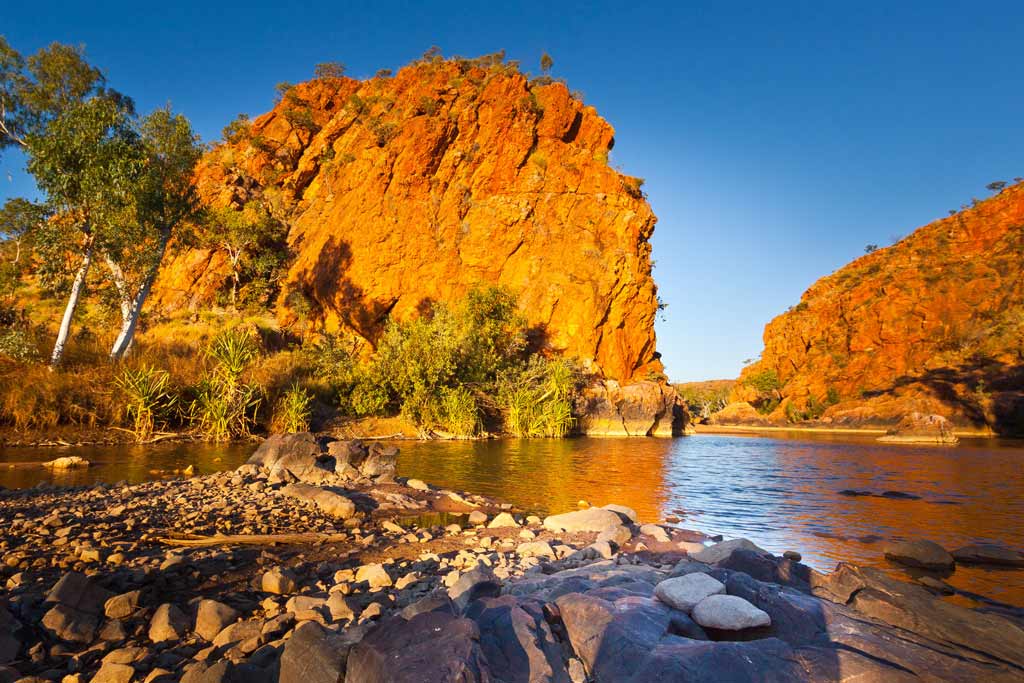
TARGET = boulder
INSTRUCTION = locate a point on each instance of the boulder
(617, 534)
(921, 428)
(720, 551)
(122, 606)
(432, 646)
(212, 617)
(67, 462)
(503, 520)
(473, 585)
(517, 641)
(114, 673)
(645, 408)
(591, 519)
(168, 623)
(330, 503)
(380, 463)
(728, 613)
(628, 514)
(10, 635)
(919, 553)
(279, 581)
(685, 592)
(314, 655)
(914, 609)
(375, 575)
(535, 549)
(989, 553)
(70, 624)
(78, 610)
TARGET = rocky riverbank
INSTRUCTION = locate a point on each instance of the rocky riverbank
(313, 563)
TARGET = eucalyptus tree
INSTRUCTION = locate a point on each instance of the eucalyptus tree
(82, 149)
(163, 199)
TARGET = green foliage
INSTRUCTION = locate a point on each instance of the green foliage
(764, 382)
(704, 399)
(427, 105)
(293, 410)
(232, 351)
(237, 130)
(255, 242)
(546, 62)
(537, 400)
(148, 398)
(225, 406)
(870, 249)
(383, 132)
(17, 344)
(832, 396)
(329, 71)
(996, 186)
(459, 412)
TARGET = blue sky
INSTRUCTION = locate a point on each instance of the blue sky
(776, 138)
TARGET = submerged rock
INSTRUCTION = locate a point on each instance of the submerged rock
(919, 553)
(989, 553)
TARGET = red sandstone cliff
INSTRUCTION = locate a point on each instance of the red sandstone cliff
(932, 324)
(403, 190)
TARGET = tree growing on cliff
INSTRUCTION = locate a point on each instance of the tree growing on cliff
(253, 239)
(546, 62)
(329, 71)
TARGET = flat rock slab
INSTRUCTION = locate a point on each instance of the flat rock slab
(920, 553)
(329, 502)
(591, 519)
(989, 553)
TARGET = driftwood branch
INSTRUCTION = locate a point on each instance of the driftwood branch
(193, 541)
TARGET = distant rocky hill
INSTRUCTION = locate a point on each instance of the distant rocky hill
(933, 324)
(403, 190)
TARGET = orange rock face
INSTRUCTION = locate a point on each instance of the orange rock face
(933, 324)
(408, 190)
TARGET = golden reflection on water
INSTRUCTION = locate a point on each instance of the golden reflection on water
(781, 493)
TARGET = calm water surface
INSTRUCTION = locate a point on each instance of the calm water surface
(783, 493)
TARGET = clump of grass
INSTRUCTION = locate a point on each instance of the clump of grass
(460, 414)
(293, 410)
(225, 406)
(537, 400)
(148, 398)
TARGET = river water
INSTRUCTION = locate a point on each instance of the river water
(782, 493)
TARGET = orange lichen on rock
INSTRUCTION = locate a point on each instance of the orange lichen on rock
(933, 324)
(408, 190)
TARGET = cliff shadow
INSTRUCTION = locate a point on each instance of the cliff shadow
(328, 289)
(986, 391)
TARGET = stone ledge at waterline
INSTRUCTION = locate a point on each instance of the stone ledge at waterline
(255, 575)
(646, 408)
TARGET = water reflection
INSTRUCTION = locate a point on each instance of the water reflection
(783, 493)
(126, 462)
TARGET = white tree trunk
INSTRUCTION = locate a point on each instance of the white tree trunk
(132, 308)
(69, 310)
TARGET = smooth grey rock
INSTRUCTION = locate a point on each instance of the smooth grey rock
(330, 503)
(627, 513)
(728, 613)
(591, 519)
(314, 655)
(989, 553)
(685, 592)
(720, 551)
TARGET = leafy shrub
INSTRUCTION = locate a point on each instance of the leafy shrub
(17, 344)
(293, 410)
(764, 382)
(233, 351)
(148, 398)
